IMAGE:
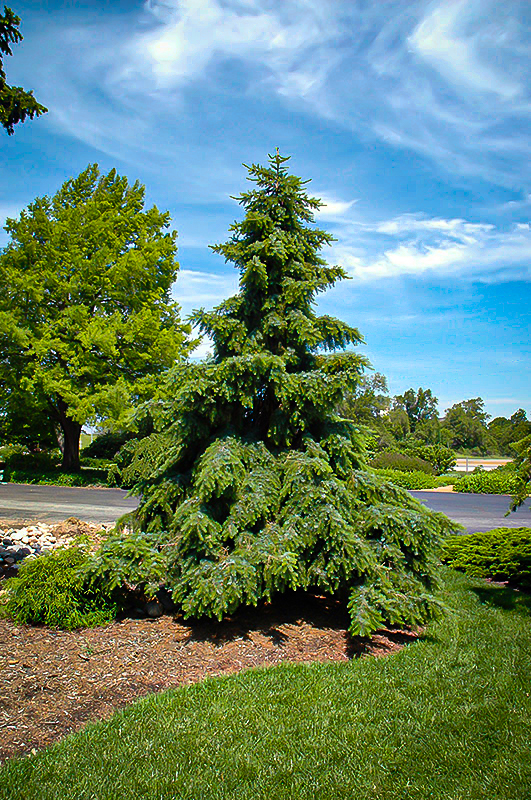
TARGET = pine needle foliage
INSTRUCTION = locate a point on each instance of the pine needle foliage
(261, 487)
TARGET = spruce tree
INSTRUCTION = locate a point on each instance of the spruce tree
(260, 486)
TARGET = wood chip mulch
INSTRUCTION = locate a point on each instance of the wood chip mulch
(53, 682)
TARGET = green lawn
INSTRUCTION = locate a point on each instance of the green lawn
(447, 717)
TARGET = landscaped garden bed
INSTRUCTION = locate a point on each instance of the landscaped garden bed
(448, 716)
(54, 681)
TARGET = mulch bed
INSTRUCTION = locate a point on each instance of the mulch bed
(53, 682)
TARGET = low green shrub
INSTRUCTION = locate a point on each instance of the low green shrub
(401, 462)
(96, 463)
(106, 445)
(440, 457)
(502, 554)
(87, 477)
(411, 480)
(482, 482)
(55, 590)
(32, 462)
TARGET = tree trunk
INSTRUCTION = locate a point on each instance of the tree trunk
(71, 434)
(68, 435)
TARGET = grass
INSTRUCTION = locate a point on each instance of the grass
(447, 717)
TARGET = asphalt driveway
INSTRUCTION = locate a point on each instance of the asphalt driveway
(23, 503)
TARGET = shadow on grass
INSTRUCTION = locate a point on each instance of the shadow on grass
(504, 597)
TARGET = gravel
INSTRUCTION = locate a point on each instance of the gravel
(18, 544)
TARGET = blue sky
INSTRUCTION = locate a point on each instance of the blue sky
(411, 118)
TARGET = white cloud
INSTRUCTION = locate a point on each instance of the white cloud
(450, 45)
(443, 247)
(198, 288)
(446, 79)
(333, 208)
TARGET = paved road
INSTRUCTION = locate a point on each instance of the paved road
(55, 503)
(477, 512)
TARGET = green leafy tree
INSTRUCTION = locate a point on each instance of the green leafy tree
(16, 104)
(467, 423)
(368, 400)
(86, 321)
(420, 405)
(23, 421)
(507, 432)
(260, 485)
(398, 424)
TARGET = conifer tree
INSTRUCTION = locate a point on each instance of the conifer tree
(260, 486)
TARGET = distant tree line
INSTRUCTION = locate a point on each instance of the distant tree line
(412, 417)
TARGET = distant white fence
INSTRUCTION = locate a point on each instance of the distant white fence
(469, 464)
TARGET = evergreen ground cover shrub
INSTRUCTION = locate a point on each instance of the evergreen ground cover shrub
(503, 554)
(261, 487)
(55, 590)
(482, 482)
(401, 462)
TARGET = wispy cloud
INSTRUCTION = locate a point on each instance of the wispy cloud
(415, 245)
(446, 79)
(197, 288)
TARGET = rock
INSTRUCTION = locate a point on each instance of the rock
(154, 608)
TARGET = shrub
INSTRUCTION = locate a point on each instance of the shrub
(55, 590)
(96, 463)
(440, 457)
(401, 462)
(32, 462)
(87, 477)
(501, 554)
(481, 482)
(411, 480)
(106, 445)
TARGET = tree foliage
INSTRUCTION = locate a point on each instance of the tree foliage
(16, 104)
(260, 487)
(420, 405)
(508, 432)
(86, 320)
(367, 401)
(467, 423)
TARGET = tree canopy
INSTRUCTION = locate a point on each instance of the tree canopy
(16, 104)
(467, 423)
(256, 484)
(420, 406)
(86, 319)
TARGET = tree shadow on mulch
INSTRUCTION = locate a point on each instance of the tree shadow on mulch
(319, 613)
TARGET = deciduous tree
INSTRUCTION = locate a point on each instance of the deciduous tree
(467, 423)
(87, 324)
(420, 405)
